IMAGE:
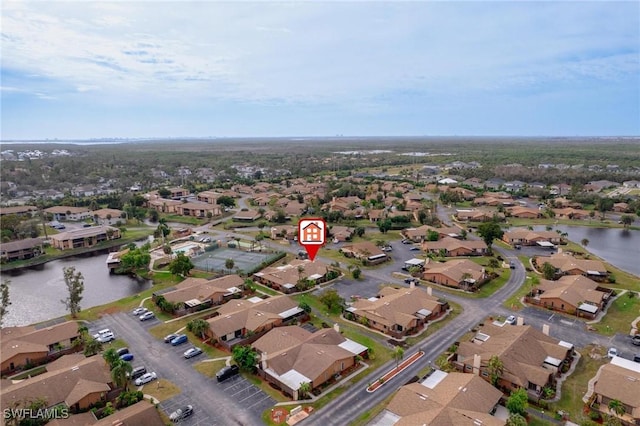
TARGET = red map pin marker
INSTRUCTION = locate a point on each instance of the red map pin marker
(312, 235)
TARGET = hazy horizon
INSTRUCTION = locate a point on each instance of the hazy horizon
(114, 69)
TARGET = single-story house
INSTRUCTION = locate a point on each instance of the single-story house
(526, 237)
(366, 251)
(77, 387)
(22, 346)
(398, 311)
(571, 294)
(290, 356)
(618, 380)
(459, 273)
(198, 293)
(241, 321)
(287, 278)
(455, 247)
(445, 399)
(566, 264)
(108, 216)
(532, 359)
(247, 215)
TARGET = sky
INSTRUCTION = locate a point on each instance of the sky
(89, 69)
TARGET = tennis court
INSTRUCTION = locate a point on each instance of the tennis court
(244, 260)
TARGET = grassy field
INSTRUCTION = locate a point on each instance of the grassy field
(622, 311)
(574, 388)
(209, 369)
(161, 389)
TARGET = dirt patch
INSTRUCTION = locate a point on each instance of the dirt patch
(279, 415)
(109, 311)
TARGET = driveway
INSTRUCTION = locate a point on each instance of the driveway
(198, 390)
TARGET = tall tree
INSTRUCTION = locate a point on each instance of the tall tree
(549, 271)
(496, 368)
(75, 285)
(229, 264)
(303, 391)
(626, 220)
(120, 373)
(4, 299)
(181, 265)
(112, 358)
(198, 327)
(490, 231)
(398, 354)
(245, 356)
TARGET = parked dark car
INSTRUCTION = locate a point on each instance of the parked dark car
(138, 372)
(122, 351)
(127, 357)
(636, 340)
(168, 338)
(227, 372)
(181, 413)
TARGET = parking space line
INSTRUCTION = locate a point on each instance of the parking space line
(260, 401)
(252, 395)
(242, 390)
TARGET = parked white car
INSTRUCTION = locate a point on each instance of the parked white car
(146, 378)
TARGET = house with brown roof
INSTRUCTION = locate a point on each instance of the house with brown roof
(366, 251)
(209, 197)
(247, 215)
(163, 205)
(526, 237)
(532, 359)
(477, 215)
(84, 237)
(284, 231)
(142, 413)
(571, 294)
(178, 192)
(444, 399)
(18, 210)
(571, 213)
(524, 212)
(458, 273)
(63, 213)
(375, 215)
(295, 276)
(21, 249)
(621, 208)
(108, 216)
(341, 233)
(566, 264)
(22, 346)
(242, 321)
(398, 312)
(292, 355)
(419, 234)
(618, 380)
(198, 293)
(77, 387)
(198, 209)
(454, 247)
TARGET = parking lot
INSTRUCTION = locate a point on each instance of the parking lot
(237, 400)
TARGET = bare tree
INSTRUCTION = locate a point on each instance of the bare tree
(4, 299)
(75, 285)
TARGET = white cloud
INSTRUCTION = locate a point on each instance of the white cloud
(317, 52)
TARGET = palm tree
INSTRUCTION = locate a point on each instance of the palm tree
(496, 368)
(198, 327)
(398, 355)
(120, 373)
(112, 358)
(304, 389)
(92, 347)
(465, 280)
(616, 407)
(229, 264)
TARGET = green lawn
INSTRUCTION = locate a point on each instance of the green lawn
(265, 289)
(621, 312)
(209, 369)
(189, 220)
(574, 388)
